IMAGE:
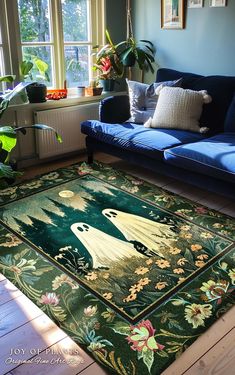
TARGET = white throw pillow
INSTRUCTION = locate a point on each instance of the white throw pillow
(143, 99)
(178, 108)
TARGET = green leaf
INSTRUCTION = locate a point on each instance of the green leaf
(109, 38)
(25, 67)
(122, 328)
(21, 86)
(40, 127)
(7, 138)
(7, 171)
(162, 353)
(188, 255)
(148, 358)
(3, 106)
(42, 66)
(178, 302)
(7, 78)
(147, 41)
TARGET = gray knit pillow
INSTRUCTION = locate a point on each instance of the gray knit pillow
(178, 108)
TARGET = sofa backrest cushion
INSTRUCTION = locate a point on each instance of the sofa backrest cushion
(229, 125)
(114, 109)
(221, 89)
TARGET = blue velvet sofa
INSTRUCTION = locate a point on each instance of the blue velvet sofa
(205, 160)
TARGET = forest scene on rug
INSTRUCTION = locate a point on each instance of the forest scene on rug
(130, 253)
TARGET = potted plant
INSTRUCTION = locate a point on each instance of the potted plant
(108, 63)
(141, 52)
(8, 134)
(36, 91)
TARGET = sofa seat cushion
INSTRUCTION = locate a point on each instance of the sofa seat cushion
(137, 138)
(214, 156)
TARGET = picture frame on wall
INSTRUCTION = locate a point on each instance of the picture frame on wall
(172, 14)
(195, 3)
(218, 3)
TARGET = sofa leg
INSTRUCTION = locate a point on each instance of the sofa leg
(90, 157)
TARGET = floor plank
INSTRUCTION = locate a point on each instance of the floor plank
(64, 357)
(214, 201)
(39, 333)
(16, 313)
(94, 369)
(219, 360)
(8, 291)
(206, 341)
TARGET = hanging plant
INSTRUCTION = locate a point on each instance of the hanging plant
(141, 52)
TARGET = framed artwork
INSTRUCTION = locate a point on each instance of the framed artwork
(195, 3)
(218, 3)
(172, 14)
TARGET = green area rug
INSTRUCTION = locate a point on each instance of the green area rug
(132, 273)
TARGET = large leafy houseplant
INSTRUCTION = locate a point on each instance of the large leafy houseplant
(107, 60)
(8, 134)
(140, 52)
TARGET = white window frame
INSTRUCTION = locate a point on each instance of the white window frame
(12, 28)
(6, 66)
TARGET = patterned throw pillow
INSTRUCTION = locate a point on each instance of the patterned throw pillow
(143, 99)
(178, 108)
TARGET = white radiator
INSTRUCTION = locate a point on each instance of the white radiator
(67, 122)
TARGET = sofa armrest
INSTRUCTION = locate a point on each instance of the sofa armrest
(115, 109)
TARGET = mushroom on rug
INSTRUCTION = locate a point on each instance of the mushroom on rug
(131, 272)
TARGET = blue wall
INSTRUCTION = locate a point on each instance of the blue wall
(206, 45)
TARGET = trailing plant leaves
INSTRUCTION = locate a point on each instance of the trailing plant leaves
(21, 86)
(7, 138)
(40, 127)
(7, 78)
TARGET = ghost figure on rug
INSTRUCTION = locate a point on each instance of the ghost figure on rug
(151, 234)
(103, 248)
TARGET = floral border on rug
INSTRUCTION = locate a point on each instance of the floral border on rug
(152, 344)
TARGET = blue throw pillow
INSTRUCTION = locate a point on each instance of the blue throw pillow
(229, 125)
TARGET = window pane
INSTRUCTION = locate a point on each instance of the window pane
(75, 20)
(42, 53)
(34, 20)
(77, 65)
(2, 84)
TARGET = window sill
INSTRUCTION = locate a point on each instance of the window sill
(71, 100)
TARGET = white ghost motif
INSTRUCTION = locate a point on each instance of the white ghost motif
(150, 233)
(103, 248)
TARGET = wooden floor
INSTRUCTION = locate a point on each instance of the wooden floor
(23, 326)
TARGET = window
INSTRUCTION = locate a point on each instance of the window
(4, 51)
(61, 33)
(2, 70)
(76, 35)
